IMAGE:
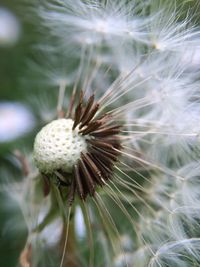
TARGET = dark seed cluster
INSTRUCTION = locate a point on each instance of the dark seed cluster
(96, 165)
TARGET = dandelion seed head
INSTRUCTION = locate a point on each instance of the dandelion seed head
(86, 145)
(57, 146)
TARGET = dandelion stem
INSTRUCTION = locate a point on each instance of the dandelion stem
(68, 244)
(68, 238)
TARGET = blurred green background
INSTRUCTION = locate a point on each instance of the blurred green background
(18, 85)
(13, 89)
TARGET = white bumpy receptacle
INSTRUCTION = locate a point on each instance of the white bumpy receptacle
(58, 147)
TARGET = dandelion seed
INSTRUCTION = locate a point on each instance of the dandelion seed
(93, 22)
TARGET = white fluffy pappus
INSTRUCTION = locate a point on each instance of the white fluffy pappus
(93, 22)
(171, 233)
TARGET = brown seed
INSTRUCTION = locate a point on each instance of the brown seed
(107, 131)
(101, 144)
(87, 108)
(87, 177)
(89, 115)
(105, 153)
(79, 184)
(95, 171)
(46, 185)
(94, 125)
(77, 116)
(105, 169)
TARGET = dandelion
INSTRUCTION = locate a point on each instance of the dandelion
(81, 148)
(167, 32)
(91, 151)
(119, 158)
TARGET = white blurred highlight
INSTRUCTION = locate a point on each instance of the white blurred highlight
(79, 223)
(9, 28)
(52, 232)
(15, 120)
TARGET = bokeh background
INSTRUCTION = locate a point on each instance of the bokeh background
(18, 119)
(21, 90)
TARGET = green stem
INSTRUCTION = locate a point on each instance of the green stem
(68, 239)
(70, 258)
